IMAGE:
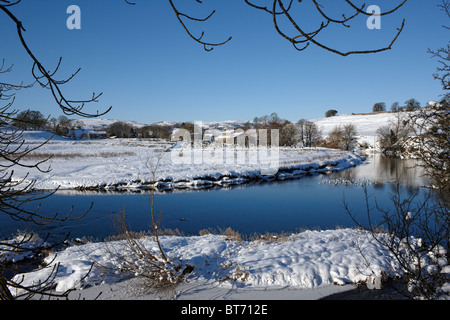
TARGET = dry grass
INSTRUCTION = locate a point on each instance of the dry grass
(233, 235)
(67, 156)
(240, 272)
(136, 259)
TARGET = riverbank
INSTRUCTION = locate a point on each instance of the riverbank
(306, 265)
(132, 164)
(341, 264)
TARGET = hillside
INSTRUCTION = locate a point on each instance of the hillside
(103, 123)
(366, 124)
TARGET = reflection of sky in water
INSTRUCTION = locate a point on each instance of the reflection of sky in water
(288, 205)
(381, 170)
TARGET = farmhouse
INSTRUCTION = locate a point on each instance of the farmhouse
(86, 134)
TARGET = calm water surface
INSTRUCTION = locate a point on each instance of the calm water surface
(311, 202)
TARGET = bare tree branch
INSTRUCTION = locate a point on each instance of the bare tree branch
(208, 46)
(278, 9)
(310, 37)
(45, 78)
(16, 196)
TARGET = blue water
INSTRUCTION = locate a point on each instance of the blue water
(310, 202)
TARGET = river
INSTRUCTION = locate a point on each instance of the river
(310, 202)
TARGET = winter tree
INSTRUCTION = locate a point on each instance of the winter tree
(330, 113)
(393, 136)
(309, 133)
(348, 138)
(379, 107)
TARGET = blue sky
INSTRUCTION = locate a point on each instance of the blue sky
(149, 70)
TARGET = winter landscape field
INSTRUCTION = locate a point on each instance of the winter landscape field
(124, 163)
(134, 163)
(312, 264)
(214, 157)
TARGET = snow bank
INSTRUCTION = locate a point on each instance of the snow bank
(309, 259)
(127, 164)
(39, 136)
(21, 247)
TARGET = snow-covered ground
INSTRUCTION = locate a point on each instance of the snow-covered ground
(324, 261)
(306, 265)
(130, 163)
(366, 124)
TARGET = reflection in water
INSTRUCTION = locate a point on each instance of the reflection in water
(274, 207)
(385, 172)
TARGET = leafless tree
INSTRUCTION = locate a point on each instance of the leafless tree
(395, 107)
(121, 129)
(379, 107)
(349, 136)
(334, 138)
(132, 256)
(443, 54)
(414, 232)
(288, 134)
(411, 105)
(152, 163)
(46, 79)
(431, 126)
(30, 119)
(15, 197)
(15, 193)
(342, 137)
(393, 136)
(309, 133)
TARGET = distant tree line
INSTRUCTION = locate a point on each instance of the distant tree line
(30, 120)
(286, 129)
(35, 120)
(308, 134)
(301, 133)
(409, 105)
(121, 129)
(62, 125)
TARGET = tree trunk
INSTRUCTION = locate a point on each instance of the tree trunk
(5, 294)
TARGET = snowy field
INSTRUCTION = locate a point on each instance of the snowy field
(127, 163)
(366, 125)
(130, 163)
(324, 261)
(306, 265)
